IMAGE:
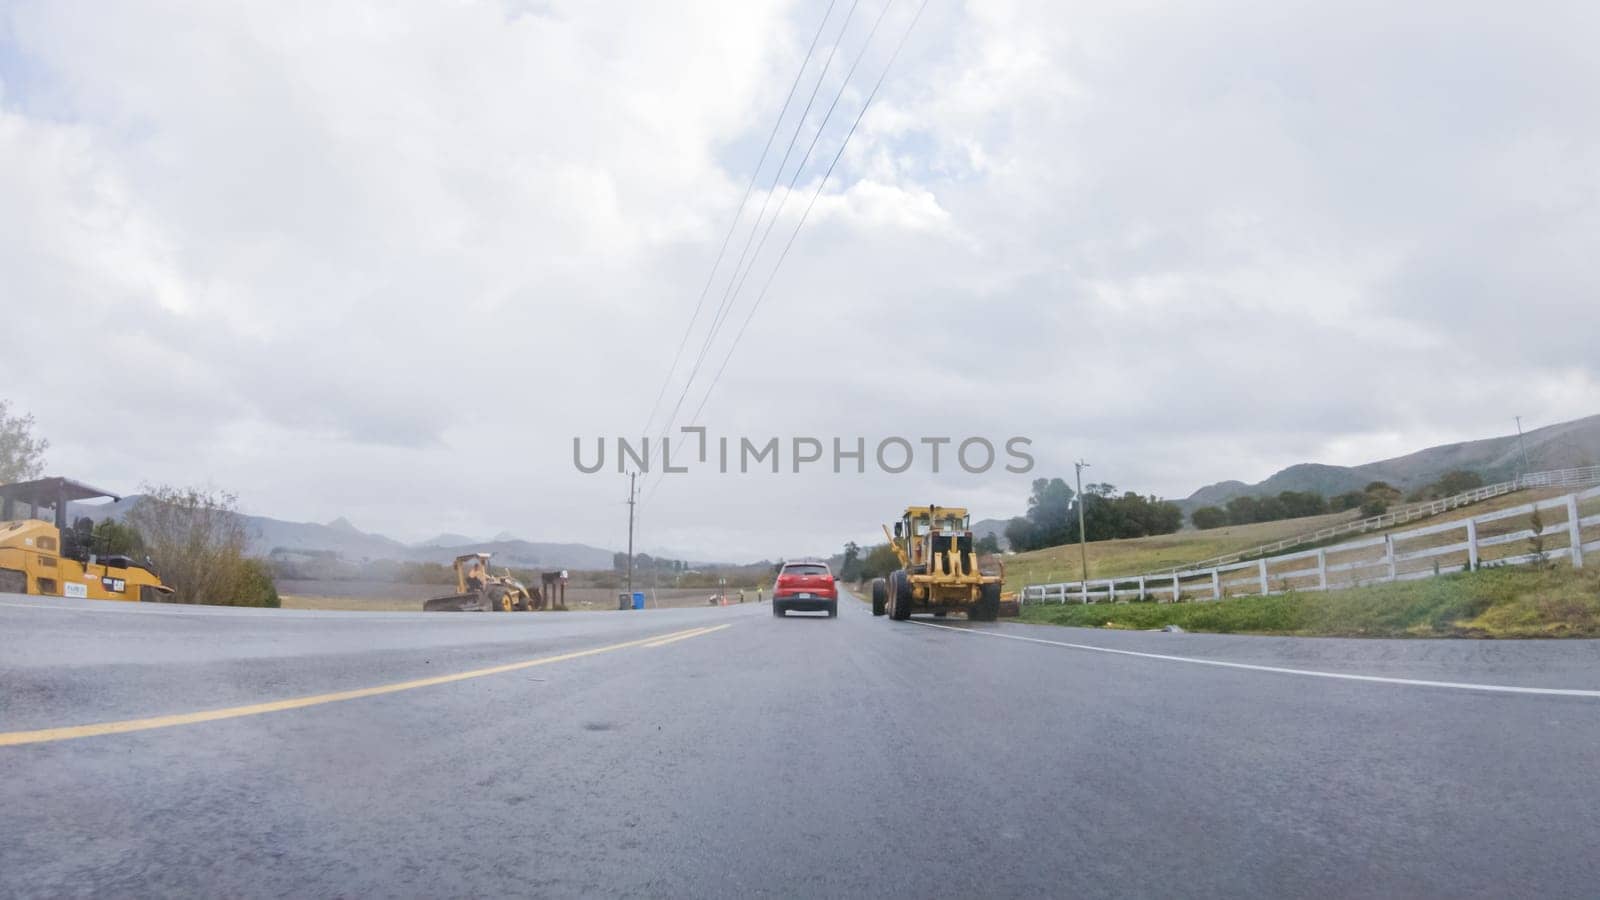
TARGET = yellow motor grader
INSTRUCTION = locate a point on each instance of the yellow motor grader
(938, 571)
(479, 591)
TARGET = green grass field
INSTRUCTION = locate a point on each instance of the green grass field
(1526, 602)
(1134, 556)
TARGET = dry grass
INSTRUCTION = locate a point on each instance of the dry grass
(367, 597)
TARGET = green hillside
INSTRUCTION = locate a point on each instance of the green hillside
(1560, 446)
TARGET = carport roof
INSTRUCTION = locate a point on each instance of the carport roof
(50, 491)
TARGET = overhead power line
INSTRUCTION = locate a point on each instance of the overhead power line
(821, 183)
(744, 200)
(729, 294)
(762, 296)
(717, 323)
(738, 213)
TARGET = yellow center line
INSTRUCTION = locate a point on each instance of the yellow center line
(684, 637)
(656, 642)
(46, 735)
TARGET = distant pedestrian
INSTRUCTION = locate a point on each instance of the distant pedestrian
(741, 595)
(758, 595)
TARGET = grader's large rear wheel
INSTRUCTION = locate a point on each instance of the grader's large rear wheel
(880, 597)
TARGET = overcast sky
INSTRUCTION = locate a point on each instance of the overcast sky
(387, 260)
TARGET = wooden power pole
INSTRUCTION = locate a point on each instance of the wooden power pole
(631, 501)
(1083, 537)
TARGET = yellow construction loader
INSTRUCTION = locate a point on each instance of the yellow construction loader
(43, 558)
(938, 571)
(479, 591)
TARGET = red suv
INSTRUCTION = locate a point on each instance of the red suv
(805, 586)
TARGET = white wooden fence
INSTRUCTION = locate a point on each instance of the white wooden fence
(1568, 527)
(1579, 477)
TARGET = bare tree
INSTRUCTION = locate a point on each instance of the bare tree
(21, 454)
(197, 539)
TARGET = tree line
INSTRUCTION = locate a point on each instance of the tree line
(1052, 516)
(646, 562)
(1286, 505)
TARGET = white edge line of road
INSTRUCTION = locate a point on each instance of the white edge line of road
(1281, 670)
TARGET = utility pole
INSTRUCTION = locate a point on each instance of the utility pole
(631, 500)
(1522, 446)
(1083, 549)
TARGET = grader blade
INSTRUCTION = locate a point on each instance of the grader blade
(455, 603)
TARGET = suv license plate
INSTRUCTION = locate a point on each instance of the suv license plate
(805, 596)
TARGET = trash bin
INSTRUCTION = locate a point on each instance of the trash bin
(622, 601)
(638, 599)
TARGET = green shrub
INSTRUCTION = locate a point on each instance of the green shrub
(254, 585)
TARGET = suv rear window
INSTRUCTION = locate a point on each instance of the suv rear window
(805, 569)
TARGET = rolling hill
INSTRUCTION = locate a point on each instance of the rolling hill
(996, 527)
(1560, 446)
(517, 552)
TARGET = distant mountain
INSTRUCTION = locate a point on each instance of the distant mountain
(996, 527)
(1316, 477)
(524, 554)
(1217, 494)
(448, 539)
(338, 536)
(348, 542)
(1561, 446)
(266, 534)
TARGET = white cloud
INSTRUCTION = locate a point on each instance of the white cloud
(387, 260)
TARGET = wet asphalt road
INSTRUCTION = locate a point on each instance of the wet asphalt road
(802, 757)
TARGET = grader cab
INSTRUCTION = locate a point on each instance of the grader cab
(939, 571)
